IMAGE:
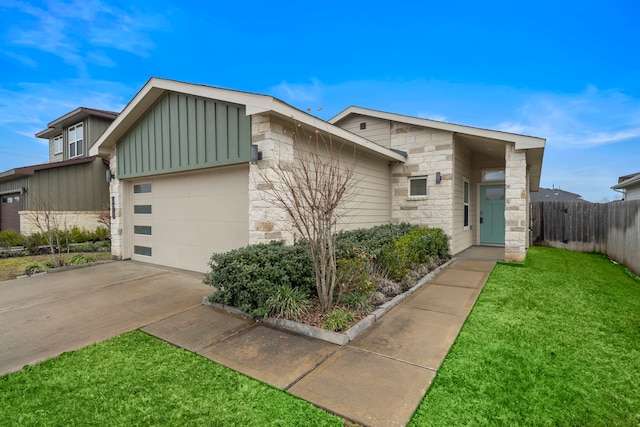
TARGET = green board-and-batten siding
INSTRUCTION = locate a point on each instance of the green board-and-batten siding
(80, 187)
(181, 133)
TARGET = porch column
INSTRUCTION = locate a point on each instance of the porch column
(115, 208)
(516, 208)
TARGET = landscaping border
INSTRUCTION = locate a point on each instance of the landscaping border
(340, 338)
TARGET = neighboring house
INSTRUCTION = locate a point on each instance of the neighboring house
(185, 183)
(555, 195)
(629, 186)
(72, 184)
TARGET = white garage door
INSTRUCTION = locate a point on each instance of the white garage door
(180, 220)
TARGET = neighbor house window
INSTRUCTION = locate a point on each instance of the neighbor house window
(57, 144)
(76, 147)
(465, 202)
(418, 186)
(493, 175)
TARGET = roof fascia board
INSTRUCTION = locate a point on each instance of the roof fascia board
(522, 142)
(254, 103)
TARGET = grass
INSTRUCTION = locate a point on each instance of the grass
(12, 267)
(554, 343)
(136, 379)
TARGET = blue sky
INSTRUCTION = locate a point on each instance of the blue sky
(567, 71)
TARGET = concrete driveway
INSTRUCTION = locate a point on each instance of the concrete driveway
(44, 316)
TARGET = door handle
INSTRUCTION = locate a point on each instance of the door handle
(481, 220)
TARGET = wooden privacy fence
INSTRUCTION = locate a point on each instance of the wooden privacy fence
(610, 228)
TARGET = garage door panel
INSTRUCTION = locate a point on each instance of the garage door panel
(194, 216)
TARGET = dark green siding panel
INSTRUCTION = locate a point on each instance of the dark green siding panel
(181, 133)
(201, 154)
(79, 187)
(222, 148)
(15, 184)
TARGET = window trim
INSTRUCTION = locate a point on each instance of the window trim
(426, 187)
(486, 171)
(75, 141)
(466, 206)
(58, 148)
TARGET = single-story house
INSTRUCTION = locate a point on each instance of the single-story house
(186, 184)
(629, 186)
(72, 184)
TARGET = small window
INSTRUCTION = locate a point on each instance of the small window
(76, 136)
(7, 200)
(142, 250)
(465, 202)
(142, 229)
(142, 209)
(418, 186)
(494, 175)
(494, 193)
(363, 126)
(142, 188)
(57, 144)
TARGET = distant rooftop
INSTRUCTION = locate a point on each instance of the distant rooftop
(555, 194)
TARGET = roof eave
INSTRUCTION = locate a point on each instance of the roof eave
(522, 142)
(626, 183)
(254, 103)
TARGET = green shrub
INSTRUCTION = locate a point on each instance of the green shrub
(33, 241)
(358, 301)
(9, 238)
(288, 303)
(33, 268)
(82, 235)
(339, 319)
(353, 280)
(245, 278)
(416, 247)
(79, 259)
(371, 242)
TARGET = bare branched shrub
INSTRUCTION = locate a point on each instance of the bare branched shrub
(54, 225)
(312, 190)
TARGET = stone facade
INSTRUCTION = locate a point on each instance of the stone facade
(429, 151)
(67, 219)
(516, 204)
(115, 190)
(275, 141)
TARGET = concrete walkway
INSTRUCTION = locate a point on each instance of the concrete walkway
(376, 380)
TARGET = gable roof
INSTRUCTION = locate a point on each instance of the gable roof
(254, 103)
(71, 118)
(627, 181)
(533, 145)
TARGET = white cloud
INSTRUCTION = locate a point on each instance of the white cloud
(80, 31)
(300, 93)
(589, 119)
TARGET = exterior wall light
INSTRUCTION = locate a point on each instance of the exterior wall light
(255, 154)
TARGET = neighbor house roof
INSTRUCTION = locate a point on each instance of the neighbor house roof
(556, 195)
(71, 118)
(30, 170)
(627, 181)
(255, 104)
(533, 145)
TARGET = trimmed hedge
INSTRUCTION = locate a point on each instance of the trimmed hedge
(247, 277)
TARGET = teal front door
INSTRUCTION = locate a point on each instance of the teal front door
(492, 214)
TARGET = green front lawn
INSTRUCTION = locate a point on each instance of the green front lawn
(136, 379)
(554, 343)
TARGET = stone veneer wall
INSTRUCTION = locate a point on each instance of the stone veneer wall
(266, 221)
(81, 219)
(516, 206)
(115, 191)
(430, 151)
